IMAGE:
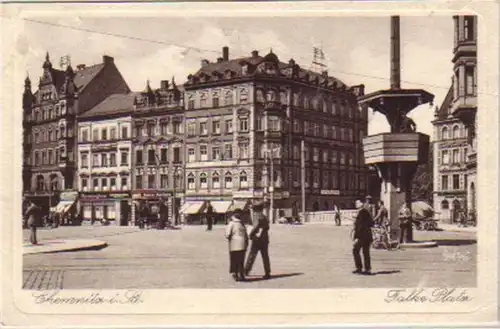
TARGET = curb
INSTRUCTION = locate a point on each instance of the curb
(415, 245)
(93, 245)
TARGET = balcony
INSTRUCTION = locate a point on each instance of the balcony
(464, 108)
(274, 106)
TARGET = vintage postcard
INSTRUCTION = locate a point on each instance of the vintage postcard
(292, 163)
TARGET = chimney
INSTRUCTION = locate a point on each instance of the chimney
(107, 59)
(220, 60)
(395, 54)
(225, 53)
(164, 84)
(80, 67)
(255, 53)
(204, 62)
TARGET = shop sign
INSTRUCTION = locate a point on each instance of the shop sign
(94, 196)
(330, 192)
(119, 195)
(243, 194)
(69, 196)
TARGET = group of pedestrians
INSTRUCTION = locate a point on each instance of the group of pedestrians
(146, 216)
(240, 240)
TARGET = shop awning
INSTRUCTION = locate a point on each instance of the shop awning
(221, 207)
(192, 207)
(241, 204)
(63, 206)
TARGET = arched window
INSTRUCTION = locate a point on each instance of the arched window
(190, 181)
(203, 181)
(444, 133)
(445, 205)
(215, 180)
(40, 183)
(456, 132)
(243, 180)
(54, 184)
(228, 180)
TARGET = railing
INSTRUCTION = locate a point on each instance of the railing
(327, 216)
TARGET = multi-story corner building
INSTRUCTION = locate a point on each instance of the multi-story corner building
(158, 132)
(455, 128)
(245, 121)
(49, 122)
(450, 156)
(105, 160)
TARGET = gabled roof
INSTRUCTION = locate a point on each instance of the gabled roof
(235, 65)
(84, 76)
(443, 110)
(112, 105)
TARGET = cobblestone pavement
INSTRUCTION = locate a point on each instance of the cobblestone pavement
(305, 256)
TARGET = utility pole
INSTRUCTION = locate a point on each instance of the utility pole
(271, 188)
(303, 175)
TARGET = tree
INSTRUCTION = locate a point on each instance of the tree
(422, 186)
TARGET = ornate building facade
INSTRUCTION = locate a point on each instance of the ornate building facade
(158, 146)
(105, 160)
(245, 121)
(455, 126)
(50, 128)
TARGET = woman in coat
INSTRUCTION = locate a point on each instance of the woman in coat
(236, 234)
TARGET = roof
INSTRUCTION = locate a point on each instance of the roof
(112, 105)
(235, 66)
(443, 111)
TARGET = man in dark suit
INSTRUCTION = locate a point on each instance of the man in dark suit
(259, 235)
(34, 219)
(209, 216)
(362, 236)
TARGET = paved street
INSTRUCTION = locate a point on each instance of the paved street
(307, 256)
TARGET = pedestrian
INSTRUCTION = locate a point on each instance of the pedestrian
(34, 217)
(163, 214)
(236, 234)
(209, 216)
(382, 216)
(336, 213)
(362, 238)
(143, 213)
(259, 236)
(405, 222)
(370, 206)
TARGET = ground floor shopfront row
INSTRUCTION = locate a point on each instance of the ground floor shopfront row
(113, 207)
(193, 210)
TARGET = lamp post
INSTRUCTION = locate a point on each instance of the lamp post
(269, 156)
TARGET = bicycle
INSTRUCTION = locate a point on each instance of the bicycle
(382, 238)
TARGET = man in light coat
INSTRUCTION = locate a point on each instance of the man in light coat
(34, 219)
(260, 241)
(236, 234)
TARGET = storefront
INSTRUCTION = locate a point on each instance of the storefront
(113, 207)
(66, 208)
(152, 199)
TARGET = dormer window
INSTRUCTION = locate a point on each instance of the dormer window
(244, 69)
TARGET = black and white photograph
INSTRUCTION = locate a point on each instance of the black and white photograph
(251, 153)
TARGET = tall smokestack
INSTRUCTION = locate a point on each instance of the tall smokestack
(395, 54)
(225, 53)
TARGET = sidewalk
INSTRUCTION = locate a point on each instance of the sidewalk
(52, 246)
(455, 228)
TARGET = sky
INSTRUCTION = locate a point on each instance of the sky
(356, 49)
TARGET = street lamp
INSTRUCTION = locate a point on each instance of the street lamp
(270, 181)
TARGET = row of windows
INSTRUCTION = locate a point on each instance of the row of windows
(455, 156)
(162, 129)
(454, 133)
(43, 185)
(454, 184)
(49, 113)
(102, 134)
(50, 156)
(50, 134)
(103, 159)
(154, 159)
(104, 183)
